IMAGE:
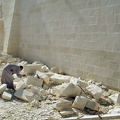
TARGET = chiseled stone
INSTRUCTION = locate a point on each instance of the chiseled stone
(59, 79)
(3, 88)
(94, 90)
(6, 95)
(80, 102)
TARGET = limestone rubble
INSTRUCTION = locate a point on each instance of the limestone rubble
(66, 93)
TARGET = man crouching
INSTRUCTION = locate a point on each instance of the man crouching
(7, 75)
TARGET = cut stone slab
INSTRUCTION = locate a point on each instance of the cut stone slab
(6, 95)
(54, 69)
(79, 82)
(30, 80)
(80, 102)
(45, 78)
(31, 68)
(92, 104)
(22, 93)
(20, 85)
(115, 98)
(66, 90)
(3, 88)
(95, 91)
(63, 105)
(59, 79)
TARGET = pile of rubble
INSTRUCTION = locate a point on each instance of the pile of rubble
(70, 96)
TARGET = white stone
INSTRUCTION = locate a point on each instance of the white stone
(54, 69)
(67, 112)
(43, 76)
(115, 98)
(59, 79)
(44, 68)
(114, 111)
(94, 90)
(3, 88)
(30, 80)
(63, 105)
(6, 95)
(79, 82)
(20, 85)
(22, 93)
(23, 63)
(31, 68)
(93, 105)
(66, 90)
(80, 102)
(42, 92)
(38, 62)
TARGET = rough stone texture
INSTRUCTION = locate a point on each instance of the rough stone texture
(93, 105)
(3, 88)
(6, 95)
(59, 79)
(115, 98)
(21, 94)
(80, 102)
(55, 70)
(95, 91)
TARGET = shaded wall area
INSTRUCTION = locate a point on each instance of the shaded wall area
(82, 37)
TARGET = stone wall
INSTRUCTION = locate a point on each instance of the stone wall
(82, 37)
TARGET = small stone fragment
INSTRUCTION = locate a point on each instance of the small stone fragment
(6, 95)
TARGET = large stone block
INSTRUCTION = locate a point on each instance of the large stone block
(80, 102)
(43, 76)
(95, 91)
(6, 95)
(115, 98)
(59, 79)
(23, 93)
(93, 105)
(3, 88)
(31, 68)
(30, 80)
(66, 90)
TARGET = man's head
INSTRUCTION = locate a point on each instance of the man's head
(21, 67)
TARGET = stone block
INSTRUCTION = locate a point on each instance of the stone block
(95, 91)
(63, 105)
(54, 69)
(6, 95)
(44, 68)
(115, 98)
(23, 93)
(79, 82)
(20, 85)
(92, 104)
(31, 68)
(43, 76)
(30, 80)
(66, 90)
(80, 102)
(3, 88)
(59, 79)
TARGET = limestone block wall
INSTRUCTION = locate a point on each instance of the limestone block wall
(82, 37)
(7, 15)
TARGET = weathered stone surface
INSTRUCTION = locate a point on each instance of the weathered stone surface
(6, 95)
(63, 105)
(43, 76)
(66, 90)
(20, 85)
(92, 104)
(67, 112)
(22, 93)
(115, 98)
(114, 111)
(59, 79)
(34, 81)
(44, 68)
(54, 69)
(94, 90)
(79, 82)
(31, 68)
(42, 92)
(79, 102)
(3, 88)
(37, 62)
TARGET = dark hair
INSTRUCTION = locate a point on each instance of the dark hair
(21, 67)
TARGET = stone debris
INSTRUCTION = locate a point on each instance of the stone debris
(6, 95)
(65, 96)
(95, 91)
(3, 88)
